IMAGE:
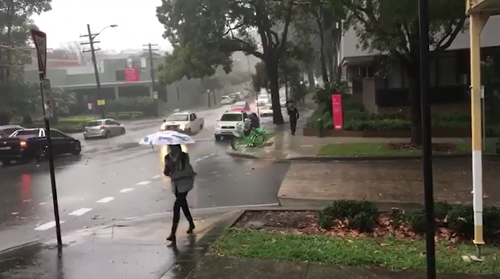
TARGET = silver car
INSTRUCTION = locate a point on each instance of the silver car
(103, 128)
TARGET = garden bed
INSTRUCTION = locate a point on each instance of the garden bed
(355, 234)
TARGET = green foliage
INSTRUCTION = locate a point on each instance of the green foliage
(398, 217)
(360, 215)
(416, 220)
(461, 220)
(260, 79)
(137, 104)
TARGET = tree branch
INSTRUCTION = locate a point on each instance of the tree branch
(248, 48)
(451, 35)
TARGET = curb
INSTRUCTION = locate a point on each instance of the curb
(21, 246)
(353, 158)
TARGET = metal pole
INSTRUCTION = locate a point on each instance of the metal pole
(477, 23)
(483, 116)
(96, 71)
(423, 18)
(53, 186)
(152, 71)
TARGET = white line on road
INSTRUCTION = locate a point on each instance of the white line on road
(47, 226)
(142, 183)
(156, 176)
(105, 200)
(126, 190)
(80, 212)
(205, 157)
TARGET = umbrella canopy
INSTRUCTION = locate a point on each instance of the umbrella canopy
(167, 138)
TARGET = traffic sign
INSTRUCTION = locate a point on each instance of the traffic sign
(40, 39)
(155, 95)
(101, 102)
(48, 109)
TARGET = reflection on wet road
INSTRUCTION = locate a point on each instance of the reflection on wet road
(108, 183)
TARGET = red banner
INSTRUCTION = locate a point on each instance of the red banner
(338, 114)
(132, 74)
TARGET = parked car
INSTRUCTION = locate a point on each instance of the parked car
(184, 122)
(231, 122)
(7, 130)
(240, 106)
(226, 100)
(262, 100)
(103, 128)
(29, 144)
(266, 111)
(236, 96)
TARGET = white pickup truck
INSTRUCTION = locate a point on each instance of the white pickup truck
(184, 122)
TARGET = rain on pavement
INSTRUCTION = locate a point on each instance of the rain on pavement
(115, 179)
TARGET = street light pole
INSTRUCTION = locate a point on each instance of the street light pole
(423, 20)
(100, 102)
(152, 72)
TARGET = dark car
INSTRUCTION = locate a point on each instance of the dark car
(29, 144)
(7, 130)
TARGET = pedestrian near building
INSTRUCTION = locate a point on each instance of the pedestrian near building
(182, 174)
(293, 114)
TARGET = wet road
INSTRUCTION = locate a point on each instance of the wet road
(116, 179)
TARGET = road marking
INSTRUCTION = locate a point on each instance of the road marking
(42, 203)
(205, 157)
(105, 200)
(47, 226)
(126, 190)
(80, 212)
(15, 213)
(156, 176)
(142, 183)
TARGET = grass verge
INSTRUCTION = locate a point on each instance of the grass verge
(381, 252)
(382, 149)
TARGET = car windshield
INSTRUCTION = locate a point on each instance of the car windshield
(94, 123)
(240, 104)
(26, 134)
(231, 117)
(224, 97)
(178, 117)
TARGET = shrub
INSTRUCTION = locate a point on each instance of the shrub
(416, 221)
(398, 217)
(441, 210)
(361, 215)
(491, 221)
(461, 221)
(363, 222)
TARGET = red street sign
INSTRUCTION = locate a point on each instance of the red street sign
(338, 117)
(40, 40)
(132, 74)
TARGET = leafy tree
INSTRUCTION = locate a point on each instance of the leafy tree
(205, 33)
(15, 24)
(391, 26)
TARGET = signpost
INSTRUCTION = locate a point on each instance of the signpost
(337, 112)
(40, 39)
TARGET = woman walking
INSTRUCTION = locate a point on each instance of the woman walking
(181, 173)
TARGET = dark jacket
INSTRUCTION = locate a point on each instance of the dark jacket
(293, 112)
(181, 176)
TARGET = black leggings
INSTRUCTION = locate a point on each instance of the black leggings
(180, 202)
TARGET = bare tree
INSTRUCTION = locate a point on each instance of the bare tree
(70, 51)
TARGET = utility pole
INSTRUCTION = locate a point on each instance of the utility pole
(152, 71)
(100, 101)
(430, 245)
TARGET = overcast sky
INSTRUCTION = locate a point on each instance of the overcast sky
(136, 20)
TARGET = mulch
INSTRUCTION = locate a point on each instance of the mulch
(306, 222)
(436, 147)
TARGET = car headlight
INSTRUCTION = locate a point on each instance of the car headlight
(182, 127)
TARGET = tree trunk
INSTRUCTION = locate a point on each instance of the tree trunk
(415, 104)
(310, 77)
(322, 59)
(272, 73)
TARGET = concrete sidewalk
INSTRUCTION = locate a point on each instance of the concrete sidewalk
(136, 249)
(229, 268)
(389, 183)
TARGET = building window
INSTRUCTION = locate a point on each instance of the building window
(120, 75)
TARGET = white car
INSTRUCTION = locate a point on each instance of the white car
(184, 122)
(231, 122)
(226, 100)
(266, 111)
(262, 100)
